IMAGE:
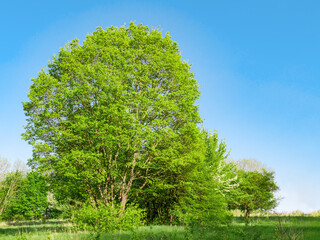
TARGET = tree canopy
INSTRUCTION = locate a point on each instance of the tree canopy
(256, 187)
(114, 113)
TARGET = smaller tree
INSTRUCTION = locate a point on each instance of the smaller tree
(8, 189)
(10, 180)
(30, 200)
(223, 172)
(207, 187)
(256, 189)
(203, 202)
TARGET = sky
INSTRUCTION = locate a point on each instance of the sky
(257, 63)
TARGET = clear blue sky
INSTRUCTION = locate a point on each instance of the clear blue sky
(257, 62)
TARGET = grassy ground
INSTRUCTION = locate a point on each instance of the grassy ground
(267, 228)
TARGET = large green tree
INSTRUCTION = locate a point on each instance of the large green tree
(113, 113)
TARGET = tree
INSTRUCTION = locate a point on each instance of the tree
(8, 189)
(10, 181)
(222, 171)
(202, 202)
(256, 188)
(204, 194)
(113, 114)
(30, 201)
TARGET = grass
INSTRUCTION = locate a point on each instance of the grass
(273, 227)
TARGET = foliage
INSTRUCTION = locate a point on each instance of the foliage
(8, 189)
(163, 192)
(315, 213)
(59, 209)
(30, 201)
(113, 114)
(108, 218)
(204, 200)
(224, 172)
(196, 195)
(256, 191)
(202, 203)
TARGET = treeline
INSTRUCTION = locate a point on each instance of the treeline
(205, 195)
(115, 132)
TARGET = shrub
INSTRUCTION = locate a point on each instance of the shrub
(108, 218)
(296, 213)
(315, 213)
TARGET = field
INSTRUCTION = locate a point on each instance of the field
(302, 227)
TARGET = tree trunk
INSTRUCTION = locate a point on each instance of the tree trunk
(247, 216)
(124, 201)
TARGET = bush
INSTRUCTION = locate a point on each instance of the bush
(108, 218)
(315, 213)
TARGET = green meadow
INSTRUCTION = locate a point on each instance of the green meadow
(274, 227)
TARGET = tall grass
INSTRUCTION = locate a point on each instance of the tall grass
(264, 228)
